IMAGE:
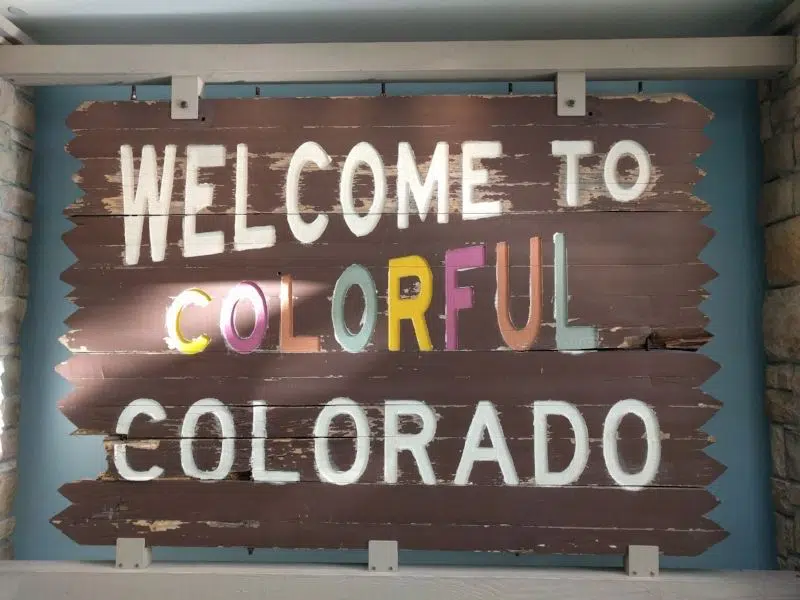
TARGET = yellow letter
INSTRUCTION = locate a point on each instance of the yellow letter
(409, 308)
(175, 339)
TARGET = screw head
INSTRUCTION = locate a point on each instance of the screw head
(570, 102)
(183, 104)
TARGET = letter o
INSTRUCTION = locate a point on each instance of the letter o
(618, 150)
(354, 275)
(216, 408)
(362, 225)
(322, 458)
(632, 481)
(247, 290)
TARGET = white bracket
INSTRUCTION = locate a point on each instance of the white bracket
(132, 553)
(571, 94)
(641, 561)
(382, 556)
(186, 93)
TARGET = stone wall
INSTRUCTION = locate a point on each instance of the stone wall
(16, 211)
(780, 214)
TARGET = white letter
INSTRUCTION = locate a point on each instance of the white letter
(471, 178)
(148, 198)
(308, 152)
(485, 417)
(362, 152)
(322, 458)
(247, 238)
(541, 464)
(408, 180)
(618, 150)
(394, 442)
(632, 481)
(216, 408)
(572, 150)
(142, 406)
(258, 460)
(197, 197)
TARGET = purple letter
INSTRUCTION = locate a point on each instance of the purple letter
(247, 290)
(458, 298)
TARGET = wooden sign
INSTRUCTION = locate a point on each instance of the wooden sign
(461, 323)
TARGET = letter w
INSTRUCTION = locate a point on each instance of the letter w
(147, 199)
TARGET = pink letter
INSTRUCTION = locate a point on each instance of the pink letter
(458, 298)
(247, 290)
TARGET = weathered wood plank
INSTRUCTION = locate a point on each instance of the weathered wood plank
(622, 280)
(90, 398)
(532, 539)
(592, 238)
(103, 511)
(689, 367)
(468, 505)
(668, 111)
(678, 418)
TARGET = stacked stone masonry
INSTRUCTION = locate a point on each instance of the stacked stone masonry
(16, 212)
(779, 212)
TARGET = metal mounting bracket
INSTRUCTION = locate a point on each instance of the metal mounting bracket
(132, 553)
(641, 561)
(382, 556)
(571, 94)
(186, 93)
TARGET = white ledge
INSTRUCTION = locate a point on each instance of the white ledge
(26, 580)
(623, 59)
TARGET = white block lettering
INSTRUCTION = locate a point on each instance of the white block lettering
(198, 196)
(541, 463)
(408, 180)
(485, 419)
(417, 443)
(258, 456)
(142, 406)
(642, 157)
(471, 178)
(244, 237)
(208, 406)
(632, 481)
(148, 198)
(572, 150)
(322, 459)
(305, 233)
(362, 225)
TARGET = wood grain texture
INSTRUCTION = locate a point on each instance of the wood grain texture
(633, 273)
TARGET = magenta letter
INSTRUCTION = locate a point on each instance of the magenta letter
(247, 290)
(458, 298)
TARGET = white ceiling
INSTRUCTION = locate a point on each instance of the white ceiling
(250, 21)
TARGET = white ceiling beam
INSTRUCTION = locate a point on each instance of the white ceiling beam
(622, 59)
(13, 34)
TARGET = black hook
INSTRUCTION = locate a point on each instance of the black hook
(383, 89)
(510, 88)
(133, 92)
(258, 91)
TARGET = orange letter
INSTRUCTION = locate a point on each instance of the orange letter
(409, 308)
(519, 339)
(288, 341)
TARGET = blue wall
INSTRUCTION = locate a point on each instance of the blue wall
(49, 457)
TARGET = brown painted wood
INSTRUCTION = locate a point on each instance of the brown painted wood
(520, 539)
(522, 505)
(634, 272)
(689, 367)
(86, 403)
(677, 417)
(669, 112)
(530, 516)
